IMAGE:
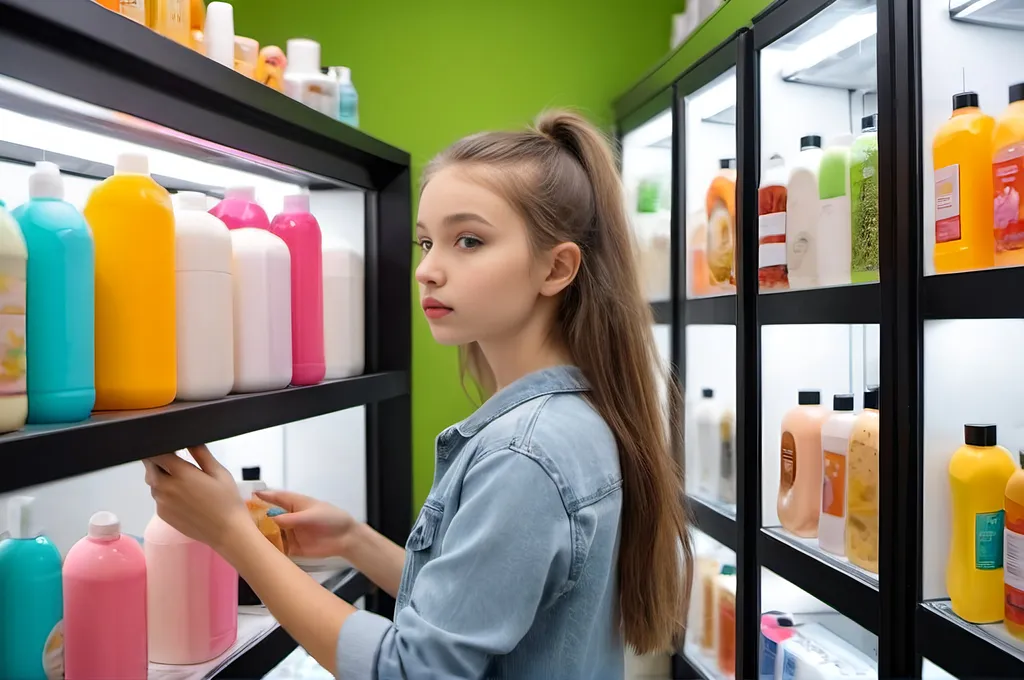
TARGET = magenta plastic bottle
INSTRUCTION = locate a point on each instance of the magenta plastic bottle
(301, 232)
(239, 209)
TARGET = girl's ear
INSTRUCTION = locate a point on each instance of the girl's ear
(565, 264)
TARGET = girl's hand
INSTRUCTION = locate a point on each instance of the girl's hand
(201, 502)
(317, 529)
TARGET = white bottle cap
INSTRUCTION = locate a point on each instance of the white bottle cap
(296, 203)
(303, 55)
(104, 525)
(132, 162)
(191, 200)
(243, 193)
(343, 74)
(45, 181)
(21, 521)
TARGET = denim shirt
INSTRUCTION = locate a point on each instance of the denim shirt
(511, 569)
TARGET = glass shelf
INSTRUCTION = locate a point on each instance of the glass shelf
(997, 13)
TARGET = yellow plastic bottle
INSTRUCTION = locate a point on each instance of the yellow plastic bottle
(1013, 555)
(862, 487)
(962, 153)
(132, 225)
(1008, 181)
(171, 19)
(978, 473)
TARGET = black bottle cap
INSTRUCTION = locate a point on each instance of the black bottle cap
(810, 142)
(963, 100)
(871, 398)
(707, 392)
(868, 123)
(251, 474)
(727, 163)
(980, 435)
(1020, 456)
(842, 402)
(1016, 92)
(809, 398)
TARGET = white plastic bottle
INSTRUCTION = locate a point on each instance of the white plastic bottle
(835, 441)
(251, 482)
(709, 420)
(834, 230)
(344, 320)
(303, 80)
(262, 310)
(802, 214)
(202, 262)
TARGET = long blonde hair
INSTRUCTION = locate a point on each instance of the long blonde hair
(561, 176)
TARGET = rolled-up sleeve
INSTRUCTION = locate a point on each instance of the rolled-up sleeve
(507, 553)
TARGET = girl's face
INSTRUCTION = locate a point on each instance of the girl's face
(478, 276)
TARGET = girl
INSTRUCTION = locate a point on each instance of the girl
(555, 531)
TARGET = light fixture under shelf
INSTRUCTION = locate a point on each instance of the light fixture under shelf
(841, 56)
(998, 13)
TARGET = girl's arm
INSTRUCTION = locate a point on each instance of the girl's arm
(375, 556)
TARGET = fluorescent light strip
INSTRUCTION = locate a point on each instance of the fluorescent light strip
(966, 9)
(844, 35)
(715, 99)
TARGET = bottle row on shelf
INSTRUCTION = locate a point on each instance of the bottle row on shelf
(129, 304)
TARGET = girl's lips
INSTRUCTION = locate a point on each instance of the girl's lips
(437, 312)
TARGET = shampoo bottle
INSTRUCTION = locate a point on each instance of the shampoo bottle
(799, 501)
(862, 487)
(13, 274)
(834, 230)
(727, 457)
(61, 280)
(771, 226)
(303, 80)
(802, 214)
(31, 602)
(348, 98)
(239, 209)
(864, 201)
(343, 312)
(205, 342)
(835, 440)
(720, 249)
(171, 19)
(301, 233)
(709, 416)
(978, 475)
(105, 627)
(132, 223)
(1008, 180)
(1013, 553)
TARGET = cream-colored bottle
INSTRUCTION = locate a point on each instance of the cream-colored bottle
(799, 503)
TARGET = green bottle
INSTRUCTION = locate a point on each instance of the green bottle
(864, 201)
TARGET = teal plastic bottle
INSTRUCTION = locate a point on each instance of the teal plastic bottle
(31, 599)
(61, 284)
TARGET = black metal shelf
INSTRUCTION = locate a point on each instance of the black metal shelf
(857, 303)
(977, 294)
(844, 589)
(45, 453)
(717, 311)
(714, 521)
(662, 312)
(964, 649)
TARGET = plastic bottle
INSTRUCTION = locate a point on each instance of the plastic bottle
(239, 209)
(978, 474)
(799, 501)
(802, 215)
(205, 341)
(13, 364)
(864, 201)
(303, 80)
(1008, 180)
(219, 33)
(771, 226)
(834, 230)
(132, 223)
(31, 600)
(720, 249)
(1013, 553)
(709, 417)
(835, 440)
(301, 233)
(192, 597)
(348, 98)
(105, 628)
(251, 482)
(726, 596)
(962, 155)
(171, 19)
(134, 10)
(862, 487)
(344, 302)
(61, 280)
(727, 457)
(262, 310)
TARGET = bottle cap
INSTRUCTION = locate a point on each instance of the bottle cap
(868, 123)
(21, 521)
(810, 142)
(1020, 456)
(776, 161)
(728, 570)
(980, 435)
(303, 55)
(45, 181)
(1016, 92)
(727, 163)
(131, 162)
(251, 474)
(842, 402)
(296, 203)
(809, 398)
(104, 525)
(963, 100)
(343, 75)
(707, 392)
(245, 193)
(871, 398)
(192, 200)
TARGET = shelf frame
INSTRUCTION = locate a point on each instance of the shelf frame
(851, 304)
(713, 522)
(959, 648)
(715, 311)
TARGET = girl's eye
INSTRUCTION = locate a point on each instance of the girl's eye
(469, 242)
(423, 245)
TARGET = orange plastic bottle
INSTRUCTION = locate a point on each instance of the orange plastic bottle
(132, 225)
(1008, 180)
(962, 153)
(1013, 553)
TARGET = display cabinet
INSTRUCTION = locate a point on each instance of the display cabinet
(79, 85)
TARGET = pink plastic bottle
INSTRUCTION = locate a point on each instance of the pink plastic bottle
(239, 209)
(193, 597)
(105, 605)
(300, 231)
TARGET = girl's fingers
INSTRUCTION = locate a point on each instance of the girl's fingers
(171, 464)
(282, 499)
(201, 454)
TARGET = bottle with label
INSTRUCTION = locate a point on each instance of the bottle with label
(132, 224)
(134, 10)
(864, 202)
(13, 363)
(709, 446)
(31, 599)
(720, 248)
(862, 487)
(61, 280)
(799, 501)
(1008, 181)
(978, 475)
(303, 80)
(105, 627)
(205, 342)
(1013, 553)
(771, 226)
(834, 230)
(802, 215)
(348, 98)
(835, 440)
(344, 331)
(726, 587)
(171, 19)
(962, 154)
(727, 457)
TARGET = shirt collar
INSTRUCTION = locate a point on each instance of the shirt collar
(555, 380)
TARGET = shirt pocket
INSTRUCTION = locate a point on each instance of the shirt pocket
(419, 548)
